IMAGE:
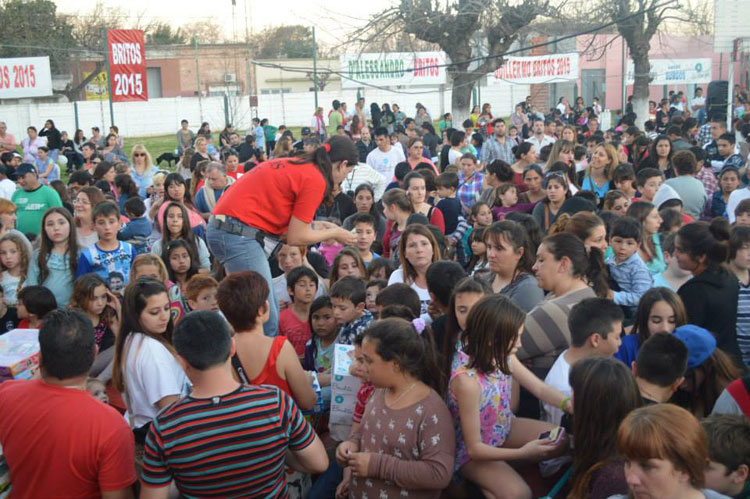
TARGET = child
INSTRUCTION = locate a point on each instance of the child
(139, 228)
(673, 277)
(330, 247)
(478, 265)
(150, 265)
(97, 389)
(373, 287)
(46, 166)
(381, 268)
(54, 263)
(659, 368)
(595, 325)
(108, 254)
(479, 398)
(91, 295)
(8, 316)
(728, 468)
(742, 213)
(398, 294)
(14, 262)
(649, 180)
(739, 264)
(449, 205)
(617, 202)
(406, 423)
(466, 293)
(625, 266)
(348, 262)
(671, 221)
(319, 348)
(348, 299)
(364, 228)
(34, 302)
(508, 199)
(181, 265)
(624, 180)
(176, 225)
(200, 293)
(481, 216)
(402, 170)
(302, 284)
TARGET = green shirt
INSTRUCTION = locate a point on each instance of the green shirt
(32, 205)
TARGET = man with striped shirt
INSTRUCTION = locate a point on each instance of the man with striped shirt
(225, 439)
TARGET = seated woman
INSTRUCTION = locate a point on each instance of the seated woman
(260, 359)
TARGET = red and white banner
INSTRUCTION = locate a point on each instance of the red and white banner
(553, 68)
(25, 77)
(127, 65)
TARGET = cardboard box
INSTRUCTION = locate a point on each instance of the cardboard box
(19, 354)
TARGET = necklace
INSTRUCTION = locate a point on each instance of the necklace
(393, 402)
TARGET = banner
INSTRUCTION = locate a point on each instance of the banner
(96, 88)
(676, 71)
(22, 77)
(127, 65)
(552, 68)
(393, 69)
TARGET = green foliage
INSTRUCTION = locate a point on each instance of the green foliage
(163, 34)
(35, 23)
(284, 42)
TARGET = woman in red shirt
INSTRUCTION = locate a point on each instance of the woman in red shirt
(277, 200)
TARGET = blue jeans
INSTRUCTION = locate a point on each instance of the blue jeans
(238, 253)
(325, 486)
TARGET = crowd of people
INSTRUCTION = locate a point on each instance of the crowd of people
(535, 306)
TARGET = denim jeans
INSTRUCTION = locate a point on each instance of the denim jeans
(238, 253)
(325, 486)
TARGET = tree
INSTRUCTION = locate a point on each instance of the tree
(455, 27)
(637, 22)
(284, 42)
(207, 31)
(163, 34)
(33, 28)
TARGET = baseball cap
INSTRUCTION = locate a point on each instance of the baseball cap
(16, 155)
(305, 130)
(25, 168)
(699, 342)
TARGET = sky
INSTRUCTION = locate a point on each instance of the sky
(332, 18)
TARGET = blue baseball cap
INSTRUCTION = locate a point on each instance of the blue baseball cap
(699, 342)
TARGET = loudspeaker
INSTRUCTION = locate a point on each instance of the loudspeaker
(716, 99)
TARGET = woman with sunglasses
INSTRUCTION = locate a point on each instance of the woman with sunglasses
(278, 200)
(557, 190)
(143, 170)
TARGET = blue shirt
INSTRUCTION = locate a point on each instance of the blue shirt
(590, 185)
(348, 332)
(632, 276)
(138, 229)
(96, 260)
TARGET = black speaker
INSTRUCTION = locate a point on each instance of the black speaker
(716, 99)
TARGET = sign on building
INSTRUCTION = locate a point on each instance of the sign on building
(127, 65)
(96, 88)
(552, 68)
(676, 71)
(393, 69)
(22, 77)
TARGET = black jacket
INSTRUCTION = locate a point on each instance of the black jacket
(710, 299)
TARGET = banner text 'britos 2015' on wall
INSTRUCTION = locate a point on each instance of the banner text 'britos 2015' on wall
(127, 65)
(22, 77)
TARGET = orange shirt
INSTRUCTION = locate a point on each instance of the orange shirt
(271, 193)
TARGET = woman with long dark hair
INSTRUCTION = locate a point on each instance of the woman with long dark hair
(279, 197)
(660, 156)
(711, 296)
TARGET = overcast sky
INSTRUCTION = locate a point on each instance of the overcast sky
(332, 18)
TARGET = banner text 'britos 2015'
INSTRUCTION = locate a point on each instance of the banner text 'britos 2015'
(127, 65)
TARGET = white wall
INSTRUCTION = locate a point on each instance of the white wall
(162, 116)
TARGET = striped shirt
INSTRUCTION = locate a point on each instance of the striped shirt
(743, 323)
(228, 446)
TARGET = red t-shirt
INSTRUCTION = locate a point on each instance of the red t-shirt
(62, 441)
(295, 330)
(271, 193)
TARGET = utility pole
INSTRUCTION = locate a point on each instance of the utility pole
(109, 79)
(198, 76)
(315, 67)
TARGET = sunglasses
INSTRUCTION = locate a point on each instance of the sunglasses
(137, 154)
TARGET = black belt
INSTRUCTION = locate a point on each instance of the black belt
(234, 226)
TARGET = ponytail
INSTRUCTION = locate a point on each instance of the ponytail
(596, 274)
(585, 264)
(337, 149)
(709, 240)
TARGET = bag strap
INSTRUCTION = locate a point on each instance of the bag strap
(237, 365)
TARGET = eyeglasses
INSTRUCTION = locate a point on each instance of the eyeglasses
(138, 154)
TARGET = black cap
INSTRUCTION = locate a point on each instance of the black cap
(305, 130)
(25, 168)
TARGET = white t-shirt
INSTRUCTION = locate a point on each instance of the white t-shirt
(424, 296)
(151, 373)
(454, 157)
(7, 188)
(697, 101)
(538, 145)
(385, 162)
(557, 377)
(10, 288)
